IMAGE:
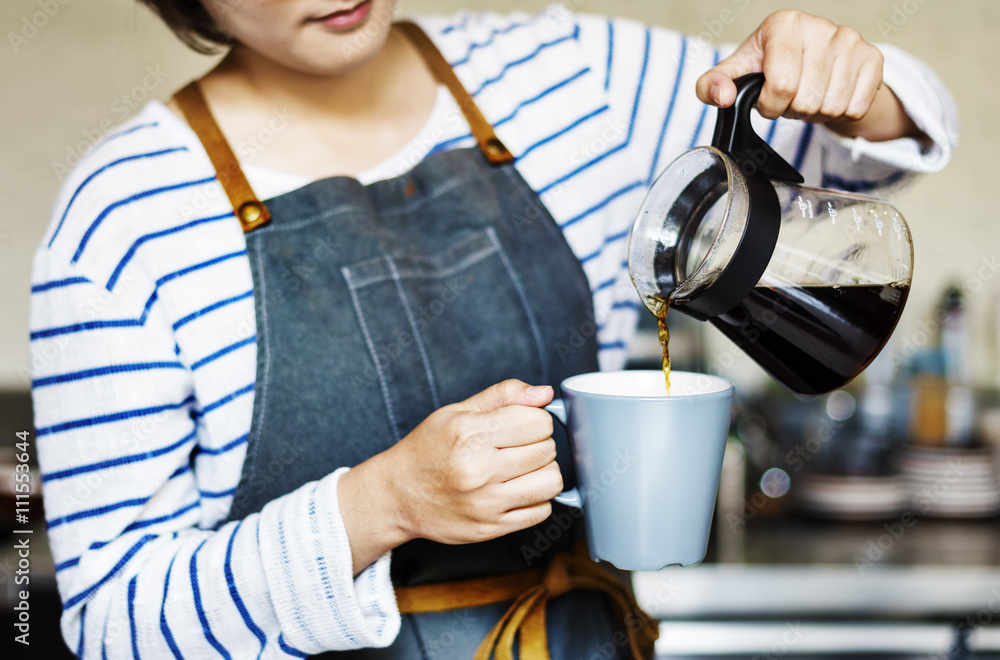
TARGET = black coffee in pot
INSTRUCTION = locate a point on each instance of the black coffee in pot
(815, 339)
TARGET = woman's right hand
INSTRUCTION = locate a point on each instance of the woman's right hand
(472, 471)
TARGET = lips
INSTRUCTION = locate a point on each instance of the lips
(347, 19)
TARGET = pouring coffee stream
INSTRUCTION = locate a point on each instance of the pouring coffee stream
(810, 283)
(664, 337)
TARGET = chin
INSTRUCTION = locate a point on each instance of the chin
(334, 54)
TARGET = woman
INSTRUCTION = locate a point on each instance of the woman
(266, 437)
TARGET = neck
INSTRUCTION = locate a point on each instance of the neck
(356, 92)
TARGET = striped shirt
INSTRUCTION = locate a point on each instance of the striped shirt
(143, 335)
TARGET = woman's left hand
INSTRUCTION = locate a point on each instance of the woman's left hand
(814, 70)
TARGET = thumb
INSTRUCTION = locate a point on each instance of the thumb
(716, 86)
(508, 393)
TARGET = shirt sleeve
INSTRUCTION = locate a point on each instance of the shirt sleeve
(139, 571)
(857, 165)
(649, 75)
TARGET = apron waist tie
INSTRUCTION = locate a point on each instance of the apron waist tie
(531, 590)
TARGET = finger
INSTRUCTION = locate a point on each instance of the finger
(814, 81)
(513, 462)
(530, 489)
(783, 60)
(526, 517)
(716, 87)
(866, 89)
(843, 80)
(853, 53)
(515, 426)
(509, 392)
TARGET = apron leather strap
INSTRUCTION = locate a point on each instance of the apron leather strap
(530, 591)
(482, 130)
(252, 212)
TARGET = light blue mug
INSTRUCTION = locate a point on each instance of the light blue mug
(647, 464)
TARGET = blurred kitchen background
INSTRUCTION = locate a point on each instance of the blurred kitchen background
(862, 524)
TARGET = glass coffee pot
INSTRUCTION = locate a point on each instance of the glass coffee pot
(809, 283)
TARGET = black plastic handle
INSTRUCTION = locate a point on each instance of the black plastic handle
(735, 136)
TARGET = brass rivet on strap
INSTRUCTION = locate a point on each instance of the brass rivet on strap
(495, 149)
(250, 212)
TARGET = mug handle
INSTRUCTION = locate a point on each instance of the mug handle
(572, 497)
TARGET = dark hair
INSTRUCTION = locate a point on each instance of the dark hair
(191, 23)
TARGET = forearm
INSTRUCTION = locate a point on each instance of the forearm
(867, 166)
(127, 509)
(269, 583)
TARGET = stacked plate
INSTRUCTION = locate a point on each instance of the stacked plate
(850, 498)
(951, 482)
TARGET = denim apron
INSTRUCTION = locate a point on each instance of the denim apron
(375, 306)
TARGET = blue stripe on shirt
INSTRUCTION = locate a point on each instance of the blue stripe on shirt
(103, 371)
(116, 462)
(126, 159)
(198, 266)
(179, 471)
(72, 601)
(97, 325)
(860, 185)
(458, 26)
(83, 623)
(58, 284)
(227, 569)
(804, 141)
(771, 131)
(128, 200)
(215, 495)
(232, 444)
(95, 512)
(128, 131)
(196, 592)
(211, 308)
(493, 34)
(541, 95)
(622, 304)
(131, 616)
(601, 204)
(670, 111)
(608, 240)
(628, 137)
(223, 351)
(627, 304)
(110, 418)
(149, 522)
(154, 235)
(164, 627)
(563, 131)
(605, 284)
(69, 563)
(447, 144)
(290, 650)
(611, 54)
(246, 389)
(527, 58)
(704, 110)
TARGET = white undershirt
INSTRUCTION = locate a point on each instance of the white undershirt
(268, 183)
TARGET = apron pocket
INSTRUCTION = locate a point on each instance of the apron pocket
(441, 328)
